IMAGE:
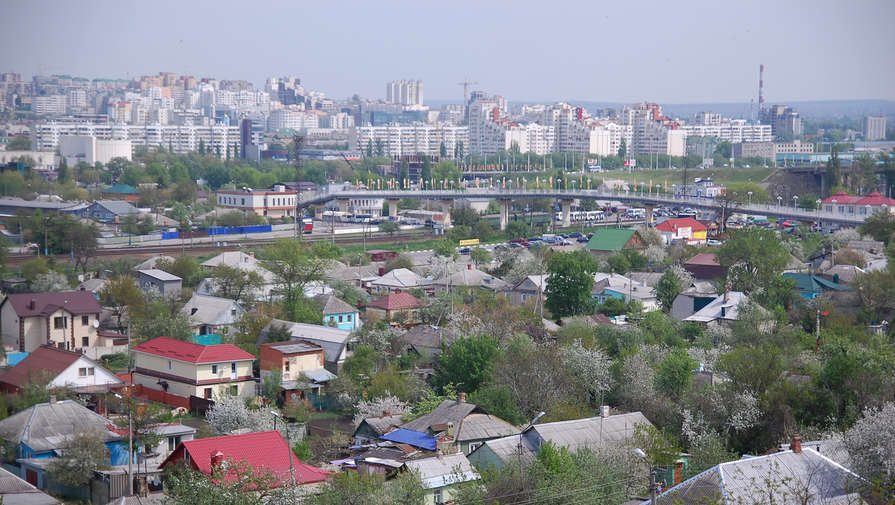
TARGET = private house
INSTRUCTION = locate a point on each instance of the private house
(396, 307)
(212, 315)
(692, 300)
(468, 424)
(532, 288)
(300, 363)
(617, 286)
(265, 451)
(441, 475)
(608, 241)
(811, 286)
(722, 310)
(243, 261)
(14, 489)
(159, 282)
(472, 278)
(43, 430)
(425, 341)
(371, 429)
(62, 369)
(175, 370)
(68, 320)
(399, 279)
(704, 267)
(333, 340)
(684, 229)
(591, 432)
(797, 475)
(108, 211)
(124, 192)
(337, 313)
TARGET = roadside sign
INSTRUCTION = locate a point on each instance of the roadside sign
(468, 242)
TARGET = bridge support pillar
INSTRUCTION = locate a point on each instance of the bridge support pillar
(566, 213)
(504, 214)
(317, 210)
(343, 205)
(393, 209)
(446, 213)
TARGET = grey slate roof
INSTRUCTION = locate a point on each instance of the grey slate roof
(332, 340)
(212, 310)
(473, 277)
(14, 490)
(118, 207)
(47, 426)
(425, 336)
(712, 311)
(159, 274)
(480, 425)
(381, 424)
(443, 471)
(329, 304)
(783, 477)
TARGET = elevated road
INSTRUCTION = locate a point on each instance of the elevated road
(631, 197)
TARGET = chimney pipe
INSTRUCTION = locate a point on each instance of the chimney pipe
(461, 397)
(32, 303)
(796, 444)
(469, 266)
(52, 399)
(604, 411)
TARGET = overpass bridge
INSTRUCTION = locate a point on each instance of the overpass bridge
(565, 197)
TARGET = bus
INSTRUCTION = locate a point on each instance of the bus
(307, 225)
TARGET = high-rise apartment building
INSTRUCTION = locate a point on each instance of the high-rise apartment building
(874, 127)
(404, 92)
(784, 120)
(400, 140)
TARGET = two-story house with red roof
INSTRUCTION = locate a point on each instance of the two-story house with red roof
(68, 320)
(182, 369)
(859, 206)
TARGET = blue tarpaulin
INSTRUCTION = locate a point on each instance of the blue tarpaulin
(207, 339)
(410, 437)
(168, 235)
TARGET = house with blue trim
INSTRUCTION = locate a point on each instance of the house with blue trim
(811, 286)
(338, 314)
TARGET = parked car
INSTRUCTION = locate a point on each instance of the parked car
(465, 250)
(574, 234)
(582, 239)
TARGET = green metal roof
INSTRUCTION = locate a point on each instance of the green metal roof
(610, 239)
(814, 283)
(124, 189)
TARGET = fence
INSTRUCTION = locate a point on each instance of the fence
(96, 353)
(218, 230)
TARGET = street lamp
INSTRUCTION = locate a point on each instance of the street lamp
(779, 200)
(276, 415)
(750, 197)
(795, 201)
(652, 475)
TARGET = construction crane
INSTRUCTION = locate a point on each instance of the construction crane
(466, 84)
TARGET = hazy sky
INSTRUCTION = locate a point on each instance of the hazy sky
(596, 50)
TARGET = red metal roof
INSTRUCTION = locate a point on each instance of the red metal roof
(45, 359)
(672, 225)
(876, 199)
(843, 198)
(194, 353)
(265, 450)
(395, 301)
(75, 302)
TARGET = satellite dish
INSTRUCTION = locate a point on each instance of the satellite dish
(95, 323)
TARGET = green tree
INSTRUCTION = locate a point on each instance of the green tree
(399, 261)
(62, 174)
(622, 149)
(444, 248)
(880, 226)
(294, 266)
(231, 483)
(389, 227)
(619, 264)
(569, 283)
(359, 367)
(834, 168)
(675, 373)
(84, 453)
(237, 284)
(19, 143)
(405, 174)
(752, 258)
(498, 401)
(667, 289)
(480, 256)
(271, 386)
(467, 363)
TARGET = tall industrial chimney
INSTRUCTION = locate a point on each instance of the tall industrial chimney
(760, 89)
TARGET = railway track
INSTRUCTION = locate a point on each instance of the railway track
(200, 249)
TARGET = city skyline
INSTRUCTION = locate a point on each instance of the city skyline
(711, 54)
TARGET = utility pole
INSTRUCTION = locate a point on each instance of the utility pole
(652, 487)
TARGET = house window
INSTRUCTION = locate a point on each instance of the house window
(90, 371)
(438, 496)
(85, 341)
(349, 317)
(60, 322)
(82, 372)
(173, 442)
(214, 369)
(234, 390)
(207, 393)
(169, 364)
(85, 320)
(474, 445)
(286, 365)
(233, 367)
(340, 319)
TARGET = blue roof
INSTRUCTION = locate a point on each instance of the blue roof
(207, 339)
(410, 437)
(14, 358)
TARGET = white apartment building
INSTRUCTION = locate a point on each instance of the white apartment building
(731, 130)
(291, 119)
(277, 203)
(707, 118)
(874, 128)
(77, 98)
(49, 105)
(82, 148)
(181, 139)
(340, 120)
(404, 92)
(410, 139)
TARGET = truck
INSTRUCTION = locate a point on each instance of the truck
(307, 225)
